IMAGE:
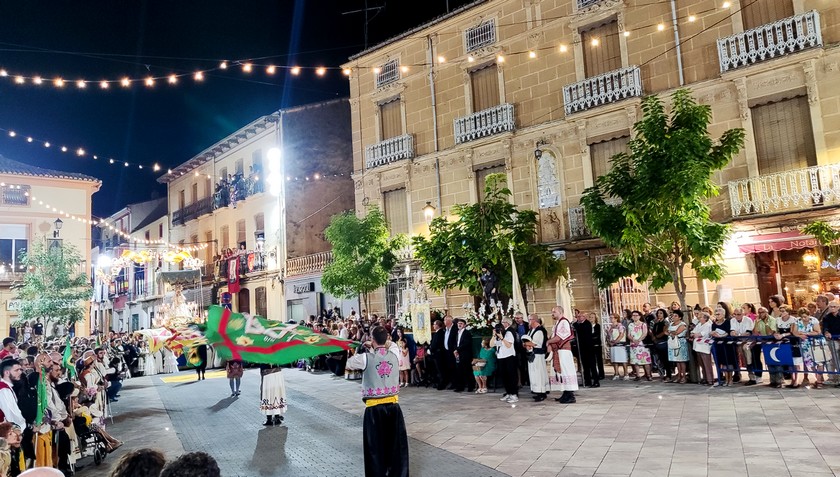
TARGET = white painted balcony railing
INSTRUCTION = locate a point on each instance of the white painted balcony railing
(389, 150)
(783, 191)
(782, 37)
(405, 254)
(603, 89)
(577, 223)
(488, 122)
(584, 4)
(313, 263)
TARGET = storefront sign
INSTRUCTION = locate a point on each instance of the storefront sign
(777, 242)
(304, 288)
(13, 305)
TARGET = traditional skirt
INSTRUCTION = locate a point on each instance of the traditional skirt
(385, 441)
(272, 394)
(149, 368)
(170, 362)
(538, 374)
(566, 379)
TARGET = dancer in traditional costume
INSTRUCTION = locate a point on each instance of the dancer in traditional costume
(272, 394)
(537, 371)
(385, 440)
(565, 373)
(170, 362)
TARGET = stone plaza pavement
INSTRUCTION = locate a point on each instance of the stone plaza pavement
(622, 428)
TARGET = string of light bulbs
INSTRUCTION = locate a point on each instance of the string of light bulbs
(95, 221)
(249, 66)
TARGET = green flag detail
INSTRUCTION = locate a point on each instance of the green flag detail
(258, 340)
(67, 360)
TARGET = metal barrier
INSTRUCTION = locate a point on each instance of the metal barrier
(787, 355)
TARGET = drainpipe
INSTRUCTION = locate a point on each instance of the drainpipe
(677, 40)
(431, 59)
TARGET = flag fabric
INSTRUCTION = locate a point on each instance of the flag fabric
(43, 398)
(67, 359)
(258, 340)
(518, 300)
(233, 275)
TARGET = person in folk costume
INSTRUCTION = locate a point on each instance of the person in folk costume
(93, 381)
(234, 371)
(385, 440)
(272, 394)
(57, 452)
(563, 361)
(537, 372)
(201, 355)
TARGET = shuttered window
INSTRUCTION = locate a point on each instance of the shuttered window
(260, 302)
(208, 252)
(390, 117)
(601, 49)
(757, 13)
(396, 211)
(485, 88)
(602, 152)
(240, 232)
(784, 139)
(225, 234)
(481, 178)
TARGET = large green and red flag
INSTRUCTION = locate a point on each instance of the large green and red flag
(67, 360)
(259, 340)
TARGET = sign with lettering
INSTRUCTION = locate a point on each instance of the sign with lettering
(304, 288)
(13, 305)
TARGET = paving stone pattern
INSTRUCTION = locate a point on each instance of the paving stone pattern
(316, 439)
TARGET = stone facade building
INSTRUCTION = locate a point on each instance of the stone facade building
(483, 88)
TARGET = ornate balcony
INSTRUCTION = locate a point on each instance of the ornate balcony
(577, 224)
(312, 263)
(488, 122)
(780, 38)
(15, 195)
(603, 89)
(389, 150)
(785, 191)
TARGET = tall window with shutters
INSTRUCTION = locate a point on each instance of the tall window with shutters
(240, 232)
(208, 187)
(194, 192)
(602, 152)
(484, 83)
(260, 302)
(757, 13)
(396, 211)
(208, 252)
(601, 49)
(481, 178)
(390, 119)
(224, 232)
(784, 140)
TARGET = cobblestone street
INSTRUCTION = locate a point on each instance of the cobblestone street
(646, 429)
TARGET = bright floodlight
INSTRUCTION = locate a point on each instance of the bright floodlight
(104, 261)
(275, 178)
(274, 159)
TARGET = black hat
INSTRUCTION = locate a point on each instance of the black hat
(65, 390)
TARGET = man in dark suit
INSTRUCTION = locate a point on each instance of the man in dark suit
(463, 353)
(437, 353)
(445, 359)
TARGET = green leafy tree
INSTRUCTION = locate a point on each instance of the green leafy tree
(652, 209)
(54, 288)
(364, 254)
(827, 236)
(483, 233)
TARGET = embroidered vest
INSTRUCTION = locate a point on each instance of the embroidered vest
(381, 377)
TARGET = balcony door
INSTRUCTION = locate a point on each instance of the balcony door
(601, 49)
(757, 13)
(602, 152)
(390, 119)
(784, 140)
(484, 82)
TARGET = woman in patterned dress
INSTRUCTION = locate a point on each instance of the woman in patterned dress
(812, 344)
(639, 354)
(677, 329)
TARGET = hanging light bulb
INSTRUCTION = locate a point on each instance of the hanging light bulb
(172, 79)
(404, 69)
(247, 67)
(199, 76)
(320, 71)
(59, 83)
(376, 70)
(564, 48)
(125, 82)
(20, 80)
(156, 167)
(37, 80)
(271, 69)
(223, 65)
(80, 152)
(81, 84)
(103, 84)
(150, 81)
(532, 54)
(295, 70)
(346, 71)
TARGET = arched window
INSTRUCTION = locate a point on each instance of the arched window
(549, 183)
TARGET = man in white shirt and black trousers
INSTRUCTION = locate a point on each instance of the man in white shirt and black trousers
(10, 371)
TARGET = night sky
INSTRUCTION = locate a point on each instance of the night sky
(107, 39)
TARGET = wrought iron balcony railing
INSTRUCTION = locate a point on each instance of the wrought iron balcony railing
(389, 150)
(782, 37)
(192, 211)
(603, 89)
(789, 190)
(488, 122)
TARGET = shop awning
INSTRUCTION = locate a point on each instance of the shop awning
(777, 242)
